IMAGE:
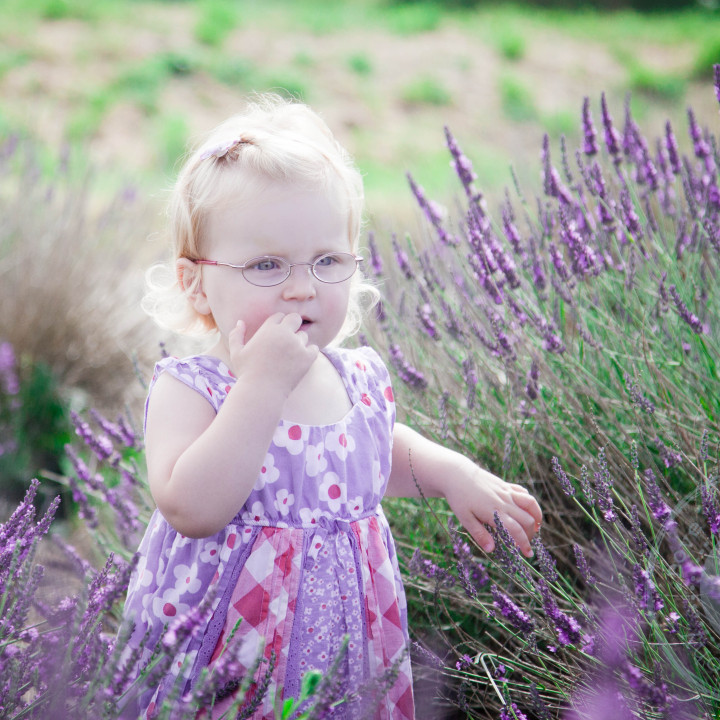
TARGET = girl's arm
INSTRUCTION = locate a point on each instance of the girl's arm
(202, 466)
(474, 494)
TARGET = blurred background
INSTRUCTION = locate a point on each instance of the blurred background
(98, 102)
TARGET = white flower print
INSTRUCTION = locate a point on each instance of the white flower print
(256, 514)
(144, 576)
(186, 578)
(168, 605)
(310, 516)
(283, 500)
(292, 437)
(268, 473)
(378, 480)
(210, 553)
(332, 491)
(315, 460)
(339, 443)
(356, 506)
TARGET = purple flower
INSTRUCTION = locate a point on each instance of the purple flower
(432, 213)
(511, 713)
(612, 137)
(710, 509)
(545, 561)
(562, 477)
(10, 384)
(376, 262)
(659, 509)
(590, 147)
(425, 313)
(637, 396)
(421, 566)
(603, 488)
(583, 566)
(645, 591)
(518, 618)
(407, 373)
(716, 68)
(670, 457)
(690, 318)
(531, 386)
(401, 257)
(463, 168)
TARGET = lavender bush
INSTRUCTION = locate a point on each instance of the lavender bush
(571, 344)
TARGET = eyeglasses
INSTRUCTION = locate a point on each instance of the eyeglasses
(270, 270)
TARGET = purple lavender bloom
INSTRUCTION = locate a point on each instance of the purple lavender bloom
(583, 566)
(612, 137)
(511, 231)
(463, 168)
(590, 146)
(645, 591)
(630, 217)
(513, 713)
(101, 445)
(672, 149)
(654, 692)
(531, 386)
(427, 321)
(432, 213)
(716, 68)
(710, 509)
(545, 561)
(697, 326)
(670, 457)
(562, 477)
(408, 374)
(567, 628)
(426, 568)
(518, 618)
(603, 488)
(700, 146)
(658, 507)
(637, 396)
(552, 184)
(376, 262)
(401, 257)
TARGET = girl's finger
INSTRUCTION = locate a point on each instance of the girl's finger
(528, 504)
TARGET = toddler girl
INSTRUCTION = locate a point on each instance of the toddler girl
(269, 454)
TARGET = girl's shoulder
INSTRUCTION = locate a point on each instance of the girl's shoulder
(362, 367)
(207, 375)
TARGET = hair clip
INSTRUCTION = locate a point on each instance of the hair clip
(222, 149)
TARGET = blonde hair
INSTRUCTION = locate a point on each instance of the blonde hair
(272, 140)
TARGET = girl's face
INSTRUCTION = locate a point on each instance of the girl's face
(296, 224)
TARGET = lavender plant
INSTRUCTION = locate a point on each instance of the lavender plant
(570, 344)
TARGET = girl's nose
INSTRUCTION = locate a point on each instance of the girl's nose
(301, 284)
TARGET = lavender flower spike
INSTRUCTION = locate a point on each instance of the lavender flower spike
(612, 137)
(717, 81)
(562, 477)
(590, 146)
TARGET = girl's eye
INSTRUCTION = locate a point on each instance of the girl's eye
(326, 261)
(264, 265)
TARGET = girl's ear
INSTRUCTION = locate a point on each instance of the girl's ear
(189, 276)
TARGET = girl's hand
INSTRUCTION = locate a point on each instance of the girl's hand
(476, 495)
(278, 351)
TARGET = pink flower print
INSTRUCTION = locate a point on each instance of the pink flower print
(339, 443)
(292, 437)
(284, 499)
(315, 460)
(356, 506)
(186, 578)
(210, 553)
(256, 514)
(333, 492)
(168, 605)
(309, 516)
(268, 473)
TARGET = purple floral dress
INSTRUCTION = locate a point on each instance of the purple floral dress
(306, 561)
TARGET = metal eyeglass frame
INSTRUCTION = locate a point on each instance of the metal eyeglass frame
(357, 258)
